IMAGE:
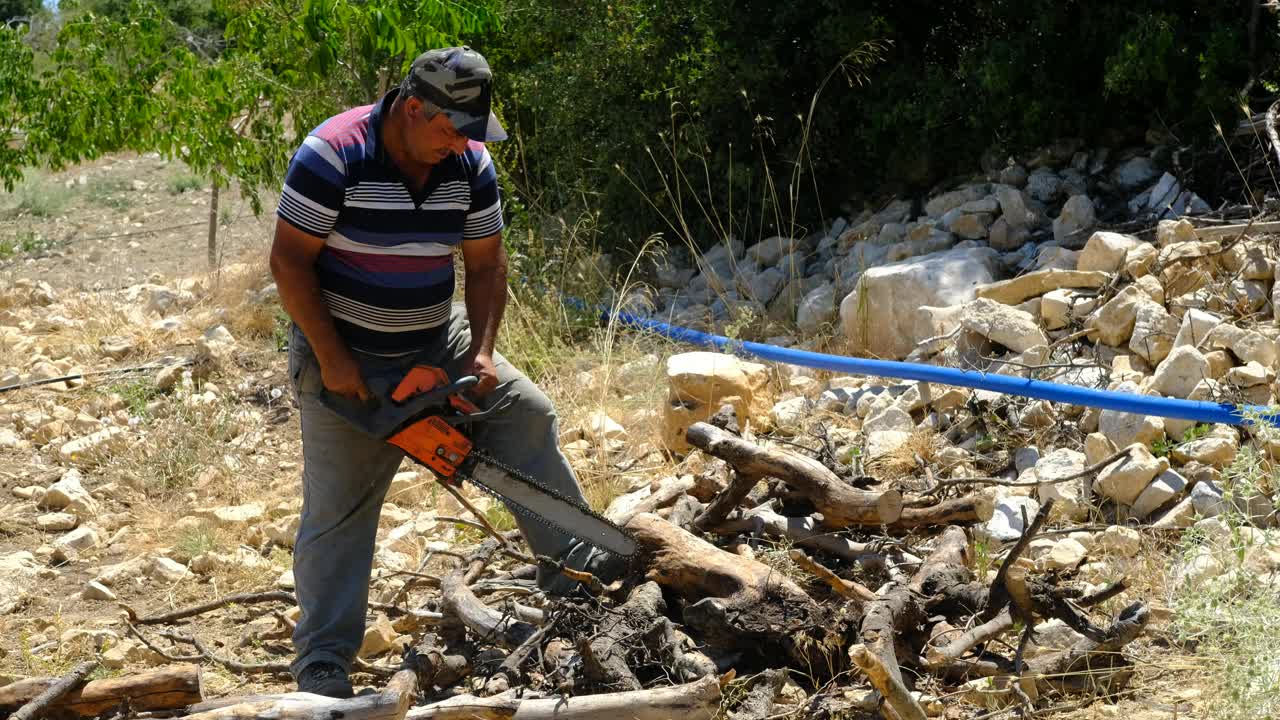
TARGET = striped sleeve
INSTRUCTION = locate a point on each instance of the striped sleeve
(484, 216)
(313, 188)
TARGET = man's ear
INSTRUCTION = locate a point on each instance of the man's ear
(413, 106)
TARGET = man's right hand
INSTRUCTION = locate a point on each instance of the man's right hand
(341, 376)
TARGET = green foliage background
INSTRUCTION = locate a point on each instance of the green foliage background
(644, 109)
(591, 85)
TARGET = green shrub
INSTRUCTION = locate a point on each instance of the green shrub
(614, 100)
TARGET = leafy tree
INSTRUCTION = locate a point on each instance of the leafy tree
(120, 81)
(10, 9)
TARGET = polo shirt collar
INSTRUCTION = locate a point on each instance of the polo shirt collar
(380, 110)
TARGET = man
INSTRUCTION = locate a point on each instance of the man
(374, 203)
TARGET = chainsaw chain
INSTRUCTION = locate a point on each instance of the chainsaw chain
(479, 456)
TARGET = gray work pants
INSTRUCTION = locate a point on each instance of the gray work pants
(346, 473)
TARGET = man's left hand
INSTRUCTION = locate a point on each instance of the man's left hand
(482, 366)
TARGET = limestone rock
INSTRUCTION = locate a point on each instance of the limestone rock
(1249, 375)
(1207, 498)
(80, 539)
(1124, 429)
(1044, 185)
(1213, 451)
(1006, 523)
(1066, 553)
(1154, 330)
(1196, 327)
(1106, 251)
(231, 516)
(1125, 479)
(1016, 208)
(408, 488)
(168, 376)
(770, 250)
(1097, 448)
(68, 493)
(1067, 496)
(878, 317)
(1135, 172)
(1076, 218)
(1119, 540)
(166, 570)
(79, 448)
(115, 347)
(97, 591)
(938, 205)
(1169, 232)
(1033, 284)
(789, 416)
(57, 522)
(1059, 308)
(1002, 324)
(817, 309)
(18, 573)
(1249, 261)
(1139, 260)
(1113, 322)
(599, 428)
(1180, 372)
(1179, 517)
(1164, 490)
(378, 637)
(1004, 236)
(887, 430)
(700, 382)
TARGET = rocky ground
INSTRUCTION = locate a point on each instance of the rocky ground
(160, 488)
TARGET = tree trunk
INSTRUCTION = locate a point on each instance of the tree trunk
(168, 688)
(734, 601)
(841, 504)
(213, 225)
(697, 700)
(481, 619)
(390, 704)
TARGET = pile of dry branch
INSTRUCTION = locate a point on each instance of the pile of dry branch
(703, 626)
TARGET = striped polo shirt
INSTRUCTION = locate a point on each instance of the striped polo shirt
(386, 270)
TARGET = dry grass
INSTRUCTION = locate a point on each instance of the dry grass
(902, 462)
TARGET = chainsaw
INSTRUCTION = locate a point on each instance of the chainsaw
(422, 415)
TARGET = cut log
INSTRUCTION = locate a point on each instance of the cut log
(734, 601)
(666, 494)
(841, 504)
(725, 501)
(697, 700)
(960, 511)
(758, 704)
(168, 688)
(390, 704)
(803, 531)
(605, 655)
(481, 619)
(901, 610)
(44, 702)
(1093, 665)
(888, 684)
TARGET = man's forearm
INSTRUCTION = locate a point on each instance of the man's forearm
(486, 295)
(300, 295)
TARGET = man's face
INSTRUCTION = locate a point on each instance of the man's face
(430, 140)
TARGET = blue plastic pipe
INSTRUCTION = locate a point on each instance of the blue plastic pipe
(1199, 411)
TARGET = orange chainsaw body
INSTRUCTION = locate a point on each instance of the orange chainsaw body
(432, 441)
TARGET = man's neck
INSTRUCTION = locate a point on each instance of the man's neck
(392, 140)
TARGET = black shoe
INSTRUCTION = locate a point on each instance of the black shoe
(325, 678)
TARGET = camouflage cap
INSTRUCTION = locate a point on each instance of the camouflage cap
(459, 82)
